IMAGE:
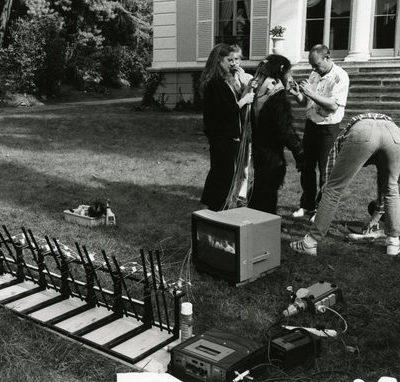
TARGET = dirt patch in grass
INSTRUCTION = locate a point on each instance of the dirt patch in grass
(152, 167)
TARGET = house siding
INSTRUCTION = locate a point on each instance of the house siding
(164, 32)
(183, 38)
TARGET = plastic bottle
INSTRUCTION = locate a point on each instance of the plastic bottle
(110, 216)
(186, 321)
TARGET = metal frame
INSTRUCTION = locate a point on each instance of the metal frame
(56, 269)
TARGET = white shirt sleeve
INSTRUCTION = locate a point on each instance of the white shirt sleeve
(340, 89)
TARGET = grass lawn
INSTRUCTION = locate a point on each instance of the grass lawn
(152, 167)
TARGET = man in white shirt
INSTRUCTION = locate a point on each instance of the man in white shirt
(324, 94)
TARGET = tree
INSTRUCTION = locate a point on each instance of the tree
(98, 40)
(4, 17)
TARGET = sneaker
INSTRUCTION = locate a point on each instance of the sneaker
(392, 246)
(302, 212)
(368, 235)
(304, 246)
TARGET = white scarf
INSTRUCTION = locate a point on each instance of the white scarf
(269, 87)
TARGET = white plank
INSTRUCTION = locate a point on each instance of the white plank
(32, 300)
(113, 330)
(164, 31)
(164, 19)
(164, 43)
(164, 7)
(142, 342)
(83, 319)
(7, 277)
(58, 309)
(16, 289)
(164, 55)
(158, 361)
(146, 377)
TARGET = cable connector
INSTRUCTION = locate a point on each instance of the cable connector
(320, 308)
(242, 376)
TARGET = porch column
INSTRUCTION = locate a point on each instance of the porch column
(360, 35)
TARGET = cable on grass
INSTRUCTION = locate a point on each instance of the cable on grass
(243, 167)
(340, 316)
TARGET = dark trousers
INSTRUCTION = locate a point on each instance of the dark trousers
(317, 142)
(267, 182)
(223, 153)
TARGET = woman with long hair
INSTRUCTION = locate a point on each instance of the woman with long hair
(272, 131)
(222, 102)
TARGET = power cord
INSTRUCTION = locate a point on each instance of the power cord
(323, 308)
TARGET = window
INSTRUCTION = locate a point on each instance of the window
(314, 23)
(233, 23)
(340, 25)
(385, 24)
(328, 22)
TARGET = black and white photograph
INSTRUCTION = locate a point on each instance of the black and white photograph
(199, 190)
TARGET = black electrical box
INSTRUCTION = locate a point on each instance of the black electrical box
(294, 348)
(214, 357)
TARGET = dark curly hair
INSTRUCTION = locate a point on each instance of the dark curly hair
(274, 66)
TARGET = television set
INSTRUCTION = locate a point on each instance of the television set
(237, 245)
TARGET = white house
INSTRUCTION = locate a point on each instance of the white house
(186, 30)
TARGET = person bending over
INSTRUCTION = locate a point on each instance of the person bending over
(272, 131)
(368, 139)
(221, 116)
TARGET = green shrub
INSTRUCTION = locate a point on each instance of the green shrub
(84, 60)
(153, 80)
(21, 61)
(134, 65)
(33, 62)
(122, 65)
(111, 66)
(51, 75)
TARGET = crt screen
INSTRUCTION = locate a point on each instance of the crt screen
(211, 236)
(216, 246)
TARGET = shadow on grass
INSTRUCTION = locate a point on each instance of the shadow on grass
(114, 129)
(144, 213)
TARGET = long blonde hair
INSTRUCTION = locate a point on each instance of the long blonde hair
(213, 70)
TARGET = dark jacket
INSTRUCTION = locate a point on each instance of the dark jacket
(274, 131)
(221, 114)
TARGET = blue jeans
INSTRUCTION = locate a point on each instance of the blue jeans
(366, 138)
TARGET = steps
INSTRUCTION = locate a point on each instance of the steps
(374, 87)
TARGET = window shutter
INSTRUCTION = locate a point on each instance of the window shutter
(259, 29)
(205, 28)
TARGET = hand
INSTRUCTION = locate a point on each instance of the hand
(239, 70)
(294, 89)
(236, 70)
(305, 88)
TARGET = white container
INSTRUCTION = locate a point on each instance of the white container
(186, 321)
(85, 220)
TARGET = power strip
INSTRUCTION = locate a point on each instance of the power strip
(327, 333)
